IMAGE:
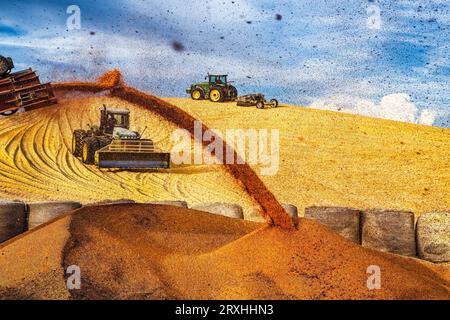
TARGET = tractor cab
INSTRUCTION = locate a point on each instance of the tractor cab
(114, 118)
(215, 79)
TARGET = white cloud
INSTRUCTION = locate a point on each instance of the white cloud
(397, 106)
(427, 117)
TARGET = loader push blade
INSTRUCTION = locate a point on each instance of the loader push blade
(132, 154)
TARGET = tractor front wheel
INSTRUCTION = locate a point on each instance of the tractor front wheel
(77, 142)
(90, 146)
(216, 95)
(260, 105)
(196, 94)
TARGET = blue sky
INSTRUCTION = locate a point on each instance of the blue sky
(319, 53)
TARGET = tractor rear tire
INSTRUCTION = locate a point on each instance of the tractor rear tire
(90, 146)
(233, 92)
(260, 105)
(77, 142)
(197, 94)
(274, 103)
(215, 95)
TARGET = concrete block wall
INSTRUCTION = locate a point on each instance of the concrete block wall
(385, 230)
(12, 219)
(345, 221)
(230, 210)
(255, 213)
(42, 212)
(391, 231)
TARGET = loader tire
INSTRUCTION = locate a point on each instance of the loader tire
(215, 95)
(77, 142)
(90, 146)
(197, 94)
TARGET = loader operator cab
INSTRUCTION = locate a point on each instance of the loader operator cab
(113, 118)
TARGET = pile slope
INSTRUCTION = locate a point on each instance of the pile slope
(158, 252)
(335, 159)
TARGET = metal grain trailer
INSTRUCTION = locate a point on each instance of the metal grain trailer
(22, 89)
(255, 99)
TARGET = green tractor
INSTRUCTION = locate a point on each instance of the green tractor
(217, 89)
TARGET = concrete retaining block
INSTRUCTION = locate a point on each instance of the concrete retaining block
(175, 203)
(12, 219)
(42, 212)
(433, 236)
(224, 209)
(254, 214)
(111, 202)
(389, 231)
(291, 210)
(344, 221)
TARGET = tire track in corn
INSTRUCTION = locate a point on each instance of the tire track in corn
(36, 162)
